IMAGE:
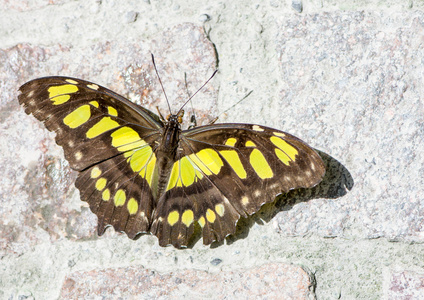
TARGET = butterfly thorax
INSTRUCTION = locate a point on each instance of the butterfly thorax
(171, 135)
(166, 154)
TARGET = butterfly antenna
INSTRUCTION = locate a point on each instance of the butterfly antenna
(193, 116)
(187, 91)
(231, 107)
(197, 91)
(160, 81)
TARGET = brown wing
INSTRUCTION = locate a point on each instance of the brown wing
(226, 171)
(105, 137)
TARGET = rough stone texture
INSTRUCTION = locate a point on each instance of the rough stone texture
(28, 5)
(406, 285)
(365, 71)
(344, 76)
(271, 281)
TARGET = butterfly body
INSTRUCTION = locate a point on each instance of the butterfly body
(142, 174)
(166, 155)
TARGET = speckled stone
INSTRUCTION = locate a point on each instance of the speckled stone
(405, 285)
(346, 77)
(361, 74)
(270, 281)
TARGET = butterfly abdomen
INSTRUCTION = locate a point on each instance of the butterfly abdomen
(166, 157)
(161, 174)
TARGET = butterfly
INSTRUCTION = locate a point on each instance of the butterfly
(141, 173)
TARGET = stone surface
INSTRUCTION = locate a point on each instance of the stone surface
(405, 285)
(345, 77)
(271, 281)
(364, 71)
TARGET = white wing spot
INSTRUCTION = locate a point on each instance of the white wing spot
(93, 86)
(71, 81)
(143, 216)
(78, 155)
(257, 193)
(312, 166)
(279, 134)
(257, 128)
(273, 186)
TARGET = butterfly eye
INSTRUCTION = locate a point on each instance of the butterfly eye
(180, 116)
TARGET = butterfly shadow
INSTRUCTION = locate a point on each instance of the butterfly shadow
(335, 184)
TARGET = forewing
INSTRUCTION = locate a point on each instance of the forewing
(105, 137)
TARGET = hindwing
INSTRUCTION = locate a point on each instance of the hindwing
(225, 171)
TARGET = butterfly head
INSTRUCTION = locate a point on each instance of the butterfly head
(177, 119)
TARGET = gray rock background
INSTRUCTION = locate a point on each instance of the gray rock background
(346, 77)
